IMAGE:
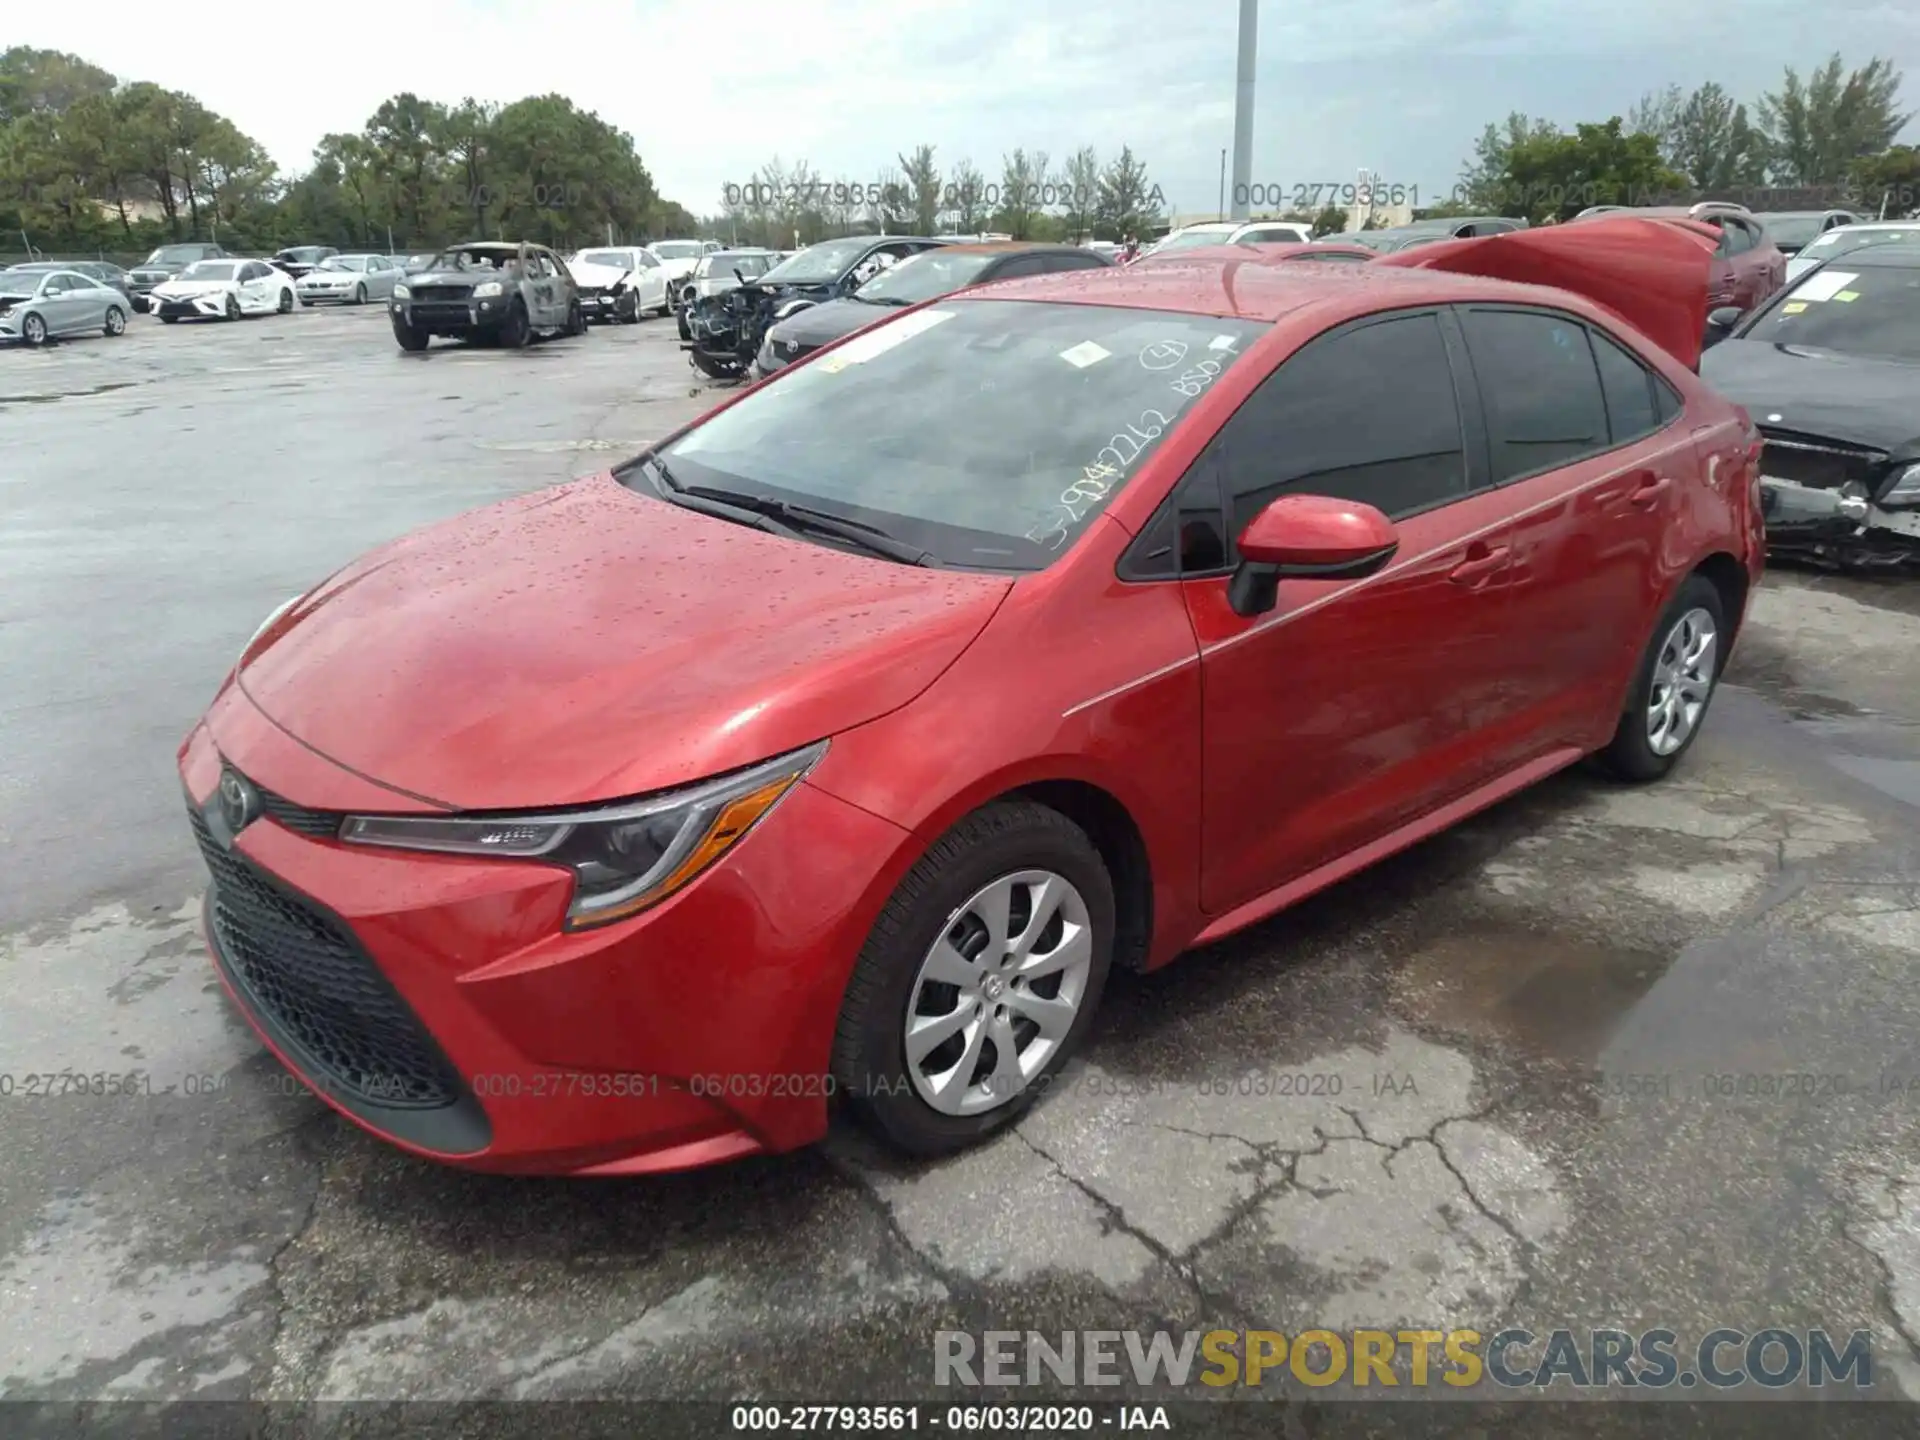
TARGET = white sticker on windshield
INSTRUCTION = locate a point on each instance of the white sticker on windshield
(883, 338)
(1084, 354)
(1221, 342)
(1825, 285)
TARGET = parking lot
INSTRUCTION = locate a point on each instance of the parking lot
(1603, 1056)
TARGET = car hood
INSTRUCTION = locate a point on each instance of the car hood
(587, 643)
(599, 274)
(826, 322)
(679, 269)
(450, 277)
(1653, 274)
(1851, 398)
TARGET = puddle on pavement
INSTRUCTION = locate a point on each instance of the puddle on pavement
(66, 394)
(1898, 778)
(1558, 998)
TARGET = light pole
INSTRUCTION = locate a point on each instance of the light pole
(1223, 184)
(1243, 110)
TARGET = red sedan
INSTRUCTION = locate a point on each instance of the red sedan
(838, 747)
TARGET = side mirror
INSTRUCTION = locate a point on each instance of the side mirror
(1724, 318)
(1307, 537)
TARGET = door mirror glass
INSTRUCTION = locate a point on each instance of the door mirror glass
(1724, 317)
(1308, 537)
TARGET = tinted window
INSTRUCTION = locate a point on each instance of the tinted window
(1025, 265)
(1739, 238)
(1628, 388)
(1316, 427)
(1540, 386)
(1665, 399)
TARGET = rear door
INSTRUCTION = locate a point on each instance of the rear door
(1354, 706)
(1584, 445)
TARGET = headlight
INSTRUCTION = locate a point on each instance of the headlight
(482, 292)
(1906, 488)
(401, 292)
(792, 307)
(625, 858)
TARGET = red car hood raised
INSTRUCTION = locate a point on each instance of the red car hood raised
(588, 643)
(1653, 274)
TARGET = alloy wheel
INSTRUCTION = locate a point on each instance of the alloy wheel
(1683, 677)
(998, 992)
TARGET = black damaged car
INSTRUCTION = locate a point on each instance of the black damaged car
(492, 292)
(727, 329)
(1829, 369)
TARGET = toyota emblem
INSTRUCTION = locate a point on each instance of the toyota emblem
(239, 804)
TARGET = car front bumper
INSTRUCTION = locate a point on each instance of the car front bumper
(330, 295)
(696, 1032)
(197, 307)
(599, 305)
(452, 317)
(1809, 517)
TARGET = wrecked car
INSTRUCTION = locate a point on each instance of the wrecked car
(1830, 372)
(726, 330)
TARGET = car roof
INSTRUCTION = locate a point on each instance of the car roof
(512, 247)
(1873, 225)
(1896, 254)
(1258, 289)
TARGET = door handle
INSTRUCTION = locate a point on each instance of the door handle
(1478, 566)
(1649, 493)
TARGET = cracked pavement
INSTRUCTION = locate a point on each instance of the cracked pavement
(1601, 1057)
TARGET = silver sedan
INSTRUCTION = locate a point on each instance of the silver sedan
(351, 279)
(37, 307)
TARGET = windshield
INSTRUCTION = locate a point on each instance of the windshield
(210, 270)
(19, 283)
(819, 264)
(1189, 239)
(727, 261)
(175, 255)
(1874, 310)
(1791, 230)
(343, 262)
(938, 272)
(473, 260)
(302, 254)
(1846, 240)
(678, 249)
(988, 432)
(614, 259)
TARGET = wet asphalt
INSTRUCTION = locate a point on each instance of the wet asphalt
(1601, 1057)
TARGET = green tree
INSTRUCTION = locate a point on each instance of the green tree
(46, 80)
(1714, 145)
(1816, 128)
(923, 181)
(1657, 113)
(401, 172)
(1485, 185)
(466, 138)
(1889, 181)
(1080, 179)
(968, 189)
(1330, 221)
(1559, 175)
(1023, 179)
(1127, 204)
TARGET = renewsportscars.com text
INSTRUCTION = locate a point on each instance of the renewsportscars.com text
(1514, 1359)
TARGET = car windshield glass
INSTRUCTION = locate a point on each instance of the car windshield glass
(19, 283)
(175, 255)
(1790, 229)
(615, 259)
(938, 272)
(472, 260)
(678, 249)
(989, 433)
(819, 264)
(210, 270)
(343, 262)
(1874, 310)
(1189, 239)
(1841, 242)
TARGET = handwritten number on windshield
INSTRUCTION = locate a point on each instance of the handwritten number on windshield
(1097, 480)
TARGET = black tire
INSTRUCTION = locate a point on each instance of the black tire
(360, 294)
(285, 307)
(576, 319)
(33, 330)
(517, 333)
(686, 331)
(1631, 755)
(116, 321)
(169, 319)
(869, 1057)
(233, 308)
(410, 338)
(635, 314)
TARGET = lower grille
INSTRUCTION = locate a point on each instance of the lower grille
(442, 292)
(1818, 463)
(301, 969)
(441, 313)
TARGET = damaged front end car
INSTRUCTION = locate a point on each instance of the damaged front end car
(1847, 508)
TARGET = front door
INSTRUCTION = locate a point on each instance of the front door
(1353, 706)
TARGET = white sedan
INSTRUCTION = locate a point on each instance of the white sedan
(224, 289)
(619, 284)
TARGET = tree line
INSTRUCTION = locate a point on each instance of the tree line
(1820, 141)
(1028, 197)
(91, 164)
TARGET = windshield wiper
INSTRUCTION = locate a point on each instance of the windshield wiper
(691, 498)
(799, 517)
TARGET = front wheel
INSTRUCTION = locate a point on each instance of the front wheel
(33, 330)
(576, 319)
(233, 308)
(285, 307)
(686, 331)
(979, 980)
(359, 294)
(116, 320)
(515, 334)
(409, 337)
(1673, 686)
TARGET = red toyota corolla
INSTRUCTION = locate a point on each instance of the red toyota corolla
(838, 746)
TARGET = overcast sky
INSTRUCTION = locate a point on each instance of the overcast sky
(711, 88)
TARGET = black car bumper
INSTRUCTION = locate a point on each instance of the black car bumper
(451, 317)
(604, 305)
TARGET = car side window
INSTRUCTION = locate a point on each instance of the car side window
(1541, 387)
(1315, 426)
(1666, 400)
(1023, 265)
(1627, 387)
(1739, 238)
